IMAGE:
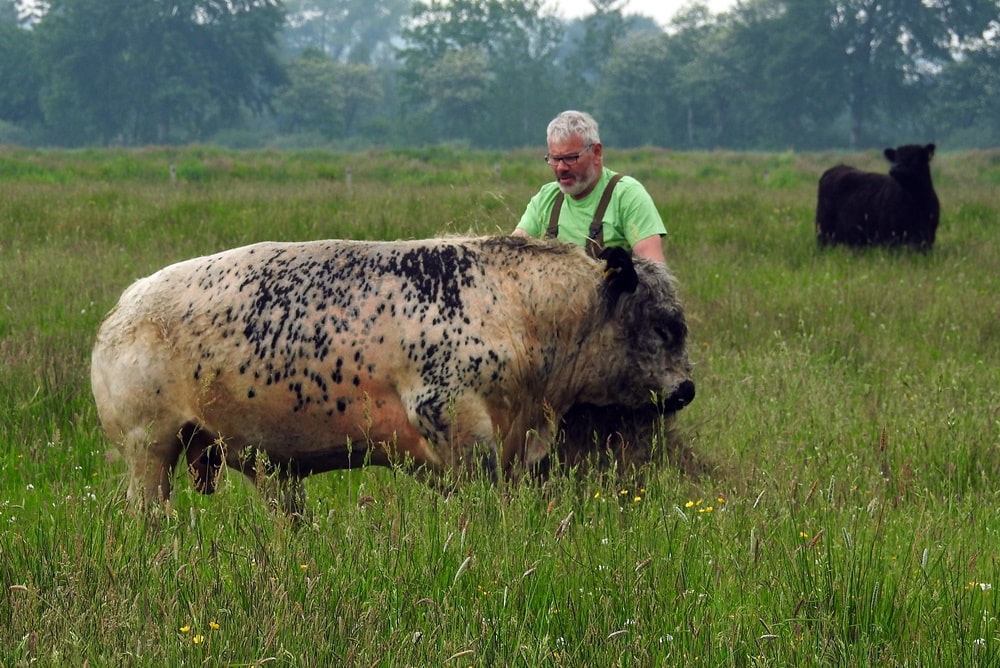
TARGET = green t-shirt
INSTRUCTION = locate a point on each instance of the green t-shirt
(631, 215)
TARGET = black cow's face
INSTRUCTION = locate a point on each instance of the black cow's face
(909, 159)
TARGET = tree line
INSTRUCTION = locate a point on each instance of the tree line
(765, 75)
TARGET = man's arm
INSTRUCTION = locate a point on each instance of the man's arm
(650, 248)
(638, 217)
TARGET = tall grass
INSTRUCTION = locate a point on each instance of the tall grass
(848, 411)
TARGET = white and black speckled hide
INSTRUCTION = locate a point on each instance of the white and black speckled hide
(444, 354)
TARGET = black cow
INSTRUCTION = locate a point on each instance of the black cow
(858, 208)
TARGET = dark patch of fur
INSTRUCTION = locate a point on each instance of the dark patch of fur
(625, 440)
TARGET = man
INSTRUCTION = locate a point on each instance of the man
(576, 157)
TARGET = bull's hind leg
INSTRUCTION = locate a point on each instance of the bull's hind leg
(151, 459)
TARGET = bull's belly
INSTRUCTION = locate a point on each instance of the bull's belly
(372, 429)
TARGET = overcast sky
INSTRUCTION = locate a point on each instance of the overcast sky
(660, 10)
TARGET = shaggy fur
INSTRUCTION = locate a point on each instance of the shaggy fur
(625, 440)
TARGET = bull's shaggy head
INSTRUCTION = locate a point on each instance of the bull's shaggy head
(626, 435)
(641, 299)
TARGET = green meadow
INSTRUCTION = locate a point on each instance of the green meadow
(839, 505)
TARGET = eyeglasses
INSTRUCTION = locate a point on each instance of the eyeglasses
(568, 160)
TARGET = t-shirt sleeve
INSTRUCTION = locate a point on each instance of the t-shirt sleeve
(639, 213)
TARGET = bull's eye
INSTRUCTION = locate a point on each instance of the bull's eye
(673, 333)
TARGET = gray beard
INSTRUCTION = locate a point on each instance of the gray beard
(589, 178)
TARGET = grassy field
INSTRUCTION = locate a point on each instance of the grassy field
(844, 510)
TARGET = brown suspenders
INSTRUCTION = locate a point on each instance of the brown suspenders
(595, 239)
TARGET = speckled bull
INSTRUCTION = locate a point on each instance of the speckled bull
(446, 356)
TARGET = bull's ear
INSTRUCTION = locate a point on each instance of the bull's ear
(619, 272)
(930, 150)
(890, 154)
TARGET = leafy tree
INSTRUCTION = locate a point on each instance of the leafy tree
(362, 94)
(136, 72)
(768, 74)
(635, 100)
(312, 101)
(458, 86)
(601, 32)
(358, 31)
(9, 14)
(516, 42)
(787, 90)
(707, 75)
(965, 98)
(20, 79)
(755, 77)
(889, 48)
(816, 73)
(327, 96)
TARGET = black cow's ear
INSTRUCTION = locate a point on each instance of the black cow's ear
(890, 154)
(619, 272)
(930, 150)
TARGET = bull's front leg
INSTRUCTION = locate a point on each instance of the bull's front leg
(460, 433)
(529, 439)
(473, 438)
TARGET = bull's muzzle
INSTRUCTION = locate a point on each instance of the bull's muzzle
(681, 397)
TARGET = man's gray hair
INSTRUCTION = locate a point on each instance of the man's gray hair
(574, 123)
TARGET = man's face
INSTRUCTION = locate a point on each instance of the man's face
(576, 165)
